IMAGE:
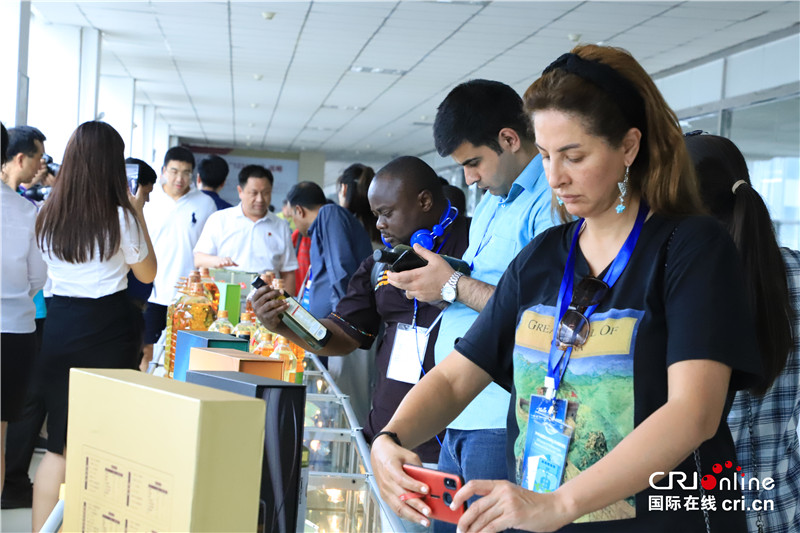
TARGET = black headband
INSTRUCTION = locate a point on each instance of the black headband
(621, 91)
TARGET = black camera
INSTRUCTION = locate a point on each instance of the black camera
(37, 193)
(52, 167)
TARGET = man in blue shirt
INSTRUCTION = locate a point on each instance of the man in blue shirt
(212, 172)
(481, 124)
(338, 245)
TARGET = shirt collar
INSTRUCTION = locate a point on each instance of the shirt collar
(526, 181)
(240, 214)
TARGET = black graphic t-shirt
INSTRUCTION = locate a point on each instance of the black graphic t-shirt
(679, 298)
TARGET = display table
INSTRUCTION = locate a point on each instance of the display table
(342, 493)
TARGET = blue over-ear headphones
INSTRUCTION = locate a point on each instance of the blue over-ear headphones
(426, 238)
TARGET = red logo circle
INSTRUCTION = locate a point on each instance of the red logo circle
(708, 482)
(717, 468)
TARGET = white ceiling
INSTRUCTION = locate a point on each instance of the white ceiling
(196, 62)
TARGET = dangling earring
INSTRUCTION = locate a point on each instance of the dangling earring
(559, 200)
(623, 191)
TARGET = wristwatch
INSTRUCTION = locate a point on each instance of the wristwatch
(449, 291)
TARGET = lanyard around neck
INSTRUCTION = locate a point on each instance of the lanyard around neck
(559, 359)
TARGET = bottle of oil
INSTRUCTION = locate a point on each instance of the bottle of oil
(245, 328)
(170, 334)
(222, 320)
(300, 354)
(261, 334)
(284, 352)
(193, 313)
(210, 286)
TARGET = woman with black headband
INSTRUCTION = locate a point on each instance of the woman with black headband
(622, 335)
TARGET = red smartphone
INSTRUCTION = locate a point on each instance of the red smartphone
(442, 487)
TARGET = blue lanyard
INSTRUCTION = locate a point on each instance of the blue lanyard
(559, 359)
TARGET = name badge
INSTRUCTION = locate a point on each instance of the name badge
(546, 444)
(408, 354)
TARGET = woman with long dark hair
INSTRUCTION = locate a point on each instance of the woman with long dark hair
(91, 232)
(764, 419)
(352, 188)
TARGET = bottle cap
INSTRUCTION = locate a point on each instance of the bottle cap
(223, 313)
(245, 317)
(197, 288)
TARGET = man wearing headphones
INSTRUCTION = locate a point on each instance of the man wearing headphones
(481, 124)
(408, 200)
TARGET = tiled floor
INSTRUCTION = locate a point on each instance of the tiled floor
(19, 520)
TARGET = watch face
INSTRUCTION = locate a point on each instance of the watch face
(448, 293)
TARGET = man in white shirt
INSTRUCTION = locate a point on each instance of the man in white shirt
(175, 216)
(25, 151)
(24, 273)
(247, 236)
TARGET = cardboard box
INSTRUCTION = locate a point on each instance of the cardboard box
(236, 361)
(283, 440)
(152, 454)
(188, 339)
(230, 298)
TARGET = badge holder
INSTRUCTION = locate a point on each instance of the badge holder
(546, 444)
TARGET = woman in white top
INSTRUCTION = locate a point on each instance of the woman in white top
(91, 232)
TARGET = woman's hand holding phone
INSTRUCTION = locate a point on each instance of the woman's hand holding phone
(387, 464)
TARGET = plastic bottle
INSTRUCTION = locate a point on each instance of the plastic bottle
(300, 354)
(284, 352)
(192, 313)
(210, 286)
(261, 334)
(222, 320)
(245, 328)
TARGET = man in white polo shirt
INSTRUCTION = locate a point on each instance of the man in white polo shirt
(175, 216)
(247, 236)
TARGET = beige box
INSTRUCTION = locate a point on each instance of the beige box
(147, 453)
(236, 361)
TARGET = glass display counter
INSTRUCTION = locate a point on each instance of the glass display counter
(342, 494)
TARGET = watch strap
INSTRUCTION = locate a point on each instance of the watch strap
(389, 434)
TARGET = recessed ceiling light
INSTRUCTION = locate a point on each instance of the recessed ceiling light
(423, 117)
(389, 134)
(252, 124)
(574, 37)
(253, 105)
(344, 107)
(367, 146)
(268, 15)
(258, 77)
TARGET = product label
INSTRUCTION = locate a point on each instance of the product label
(313, 326)
(121, 495)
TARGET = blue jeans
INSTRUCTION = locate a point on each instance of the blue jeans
(472, 454)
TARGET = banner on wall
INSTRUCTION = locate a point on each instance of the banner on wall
(285, 172)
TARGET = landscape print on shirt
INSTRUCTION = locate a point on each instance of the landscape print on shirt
(598, 384)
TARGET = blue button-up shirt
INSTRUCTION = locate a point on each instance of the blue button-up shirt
(339, 243)
(501, 227)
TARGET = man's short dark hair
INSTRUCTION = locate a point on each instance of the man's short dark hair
(254, 171)
(179, 153)
(306, 194)
(3, 143)
(476, 111)
(213, 170)
(21, 140)
(147, 175)
(415, 173)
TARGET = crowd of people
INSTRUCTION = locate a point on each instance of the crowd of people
(628, 318)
